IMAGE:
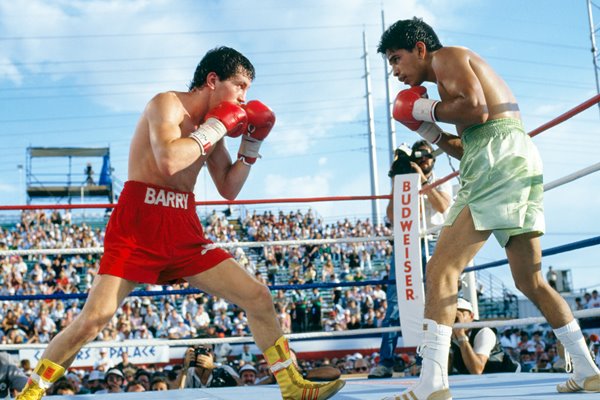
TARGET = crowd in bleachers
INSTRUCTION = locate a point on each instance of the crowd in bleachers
(186, 316)
(200, 315)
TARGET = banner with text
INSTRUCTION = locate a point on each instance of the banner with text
(89, 355)
(407, 256)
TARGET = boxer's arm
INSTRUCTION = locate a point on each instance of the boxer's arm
(171, 152)
(464, 102)
(229, 177)
(451, 145)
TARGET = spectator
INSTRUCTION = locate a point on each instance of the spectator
(25, 365)
(95, 381)
(125, 365)
(586, 299)
(509, 343)
(536, 344)
(543, 364)
(172, 372)
(159, 383)
(143, 377)
(104, 363)
(12, 379)
(113, 379)
(89, 174)
(246, 355)
(135, 386)
(26, 321)
(63, 387)
(594, 301)
(200, 371)
(248, 375)
(527, 361)
(361, 366)
(476, 351)
(75, 382)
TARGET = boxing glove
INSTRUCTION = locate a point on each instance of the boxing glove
(412, 105)
(225, 119)
(260, 122)
(417, 113)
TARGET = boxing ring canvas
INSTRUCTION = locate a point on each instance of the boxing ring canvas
(538, 386)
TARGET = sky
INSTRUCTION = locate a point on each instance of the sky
(77, 73)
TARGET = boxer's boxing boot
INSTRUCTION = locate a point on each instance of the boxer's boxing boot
(586, 376)
(433, 382)
(42, 377)
(292, 385)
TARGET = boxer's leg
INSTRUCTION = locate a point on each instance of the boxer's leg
(231, 282)
(525, 259)
(456, 246)
(104, 298)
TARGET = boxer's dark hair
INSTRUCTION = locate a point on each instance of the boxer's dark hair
(225, 62)
(404, 35)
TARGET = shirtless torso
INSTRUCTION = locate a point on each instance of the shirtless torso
(461, 75)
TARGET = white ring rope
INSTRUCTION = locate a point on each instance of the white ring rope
(571, 177)
(594, 312)
(548, 186)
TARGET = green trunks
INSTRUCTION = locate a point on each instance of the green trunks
(501, 180)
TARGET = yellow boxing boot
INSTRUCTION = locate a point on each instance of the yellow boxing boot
(42, 377)
(292, 385)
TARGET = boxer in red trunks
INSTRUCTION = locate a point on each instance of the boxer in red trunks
(154, 235)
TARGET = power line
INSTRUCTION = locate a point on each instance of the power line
(108, 84)
(171, 57)
(507, 39)
(186, 33)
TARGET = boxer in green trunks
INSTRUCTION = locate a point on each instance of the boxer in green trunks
(501, 193)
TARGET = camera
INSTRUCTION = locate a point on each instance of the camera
(199, 351)
(403, 156)
(401, 164)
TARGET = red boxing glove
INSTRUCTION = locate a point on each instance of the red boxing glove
(412, 105)
(233, 117)
(225, 119)
(413, 110)
(260, 122)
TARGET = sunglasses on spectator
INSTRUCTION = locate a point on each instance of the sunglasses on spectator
(361, 369)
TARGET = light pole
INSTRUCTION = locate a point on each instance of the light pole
(20, 168)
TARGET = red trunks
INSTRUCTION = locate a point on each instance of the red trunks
(154, 236)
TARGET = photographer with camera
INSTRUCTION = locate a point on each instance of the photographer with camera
(420, 160)
(200, 371)
(477, 351)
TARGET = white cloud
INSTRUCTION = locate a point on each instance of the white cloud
(300, 186)
(549, 109)
(10, 72)
(7, 188)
